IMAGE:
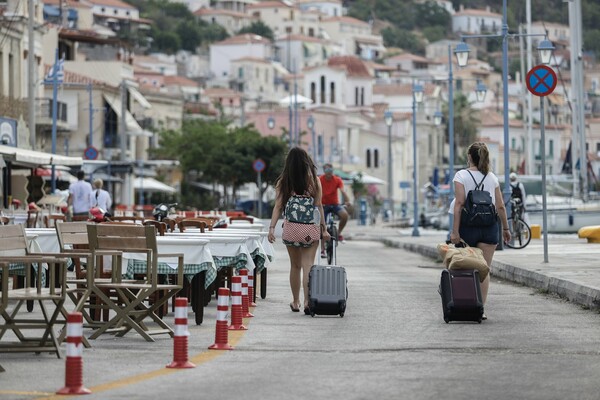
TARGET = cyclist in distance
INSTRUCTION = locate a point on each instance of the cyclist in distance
(331, 203)
(518, 192)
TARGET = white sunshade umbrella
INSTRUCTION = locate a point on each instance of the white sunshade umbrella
(152, 185)
(369, 179)
(295, 99)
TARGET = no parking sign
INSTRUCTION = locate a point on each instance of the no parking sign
(541, 80)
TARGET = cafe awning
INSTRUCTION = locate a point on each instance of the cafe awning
(32, 158)
(152, 185)
(133, 128)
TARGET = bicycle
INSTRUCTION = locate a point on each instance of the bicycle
(520, 232)
(330, 224)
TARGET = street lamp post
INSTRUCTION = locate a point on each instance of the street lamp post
(389, 120)
(417, 97)
(310, 123)
(462, 53)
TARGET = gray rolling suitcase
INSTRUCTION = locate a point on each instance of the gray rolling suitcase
(327, 289)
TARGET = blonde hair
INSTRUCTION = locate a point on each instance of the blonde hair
(98, 183)
(480, 155)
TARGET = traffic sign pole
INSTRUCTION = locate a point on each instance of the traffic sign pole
(541, 81)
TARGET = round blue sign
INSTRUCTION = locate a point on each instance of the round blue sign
(541, 80)
(90, 153)
(259, 165)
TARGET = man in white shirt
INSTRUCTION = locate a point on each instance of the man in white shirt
(79, 197)
(100, 197)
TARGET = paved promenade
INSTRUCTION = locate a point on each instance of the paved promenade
(572, 271)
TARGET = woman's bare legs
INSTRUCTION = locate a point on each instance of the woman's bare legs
(488, 253)
(308, 260)
(295, 254)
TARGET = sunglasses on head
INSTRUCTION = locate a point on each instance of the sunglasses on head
(328, 169)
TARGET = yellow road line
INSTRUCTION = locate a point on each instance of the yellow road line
(18, 393)
(205, 356)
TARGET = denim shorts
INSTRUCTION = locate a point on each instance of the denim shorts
(332, 208)
(473, 234)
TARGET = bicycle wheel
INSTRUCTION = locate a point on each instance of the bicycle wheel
(331, 243)
(520, 234)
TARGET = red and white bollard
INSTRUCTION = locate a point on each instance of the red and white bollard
(180, 337)
(222, 331)
(245, 301)
(236, 304)
(251, 288)
(74, 362)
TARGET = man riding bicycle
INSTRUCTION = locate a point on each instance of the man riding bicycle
(518, 193)
(331, 203)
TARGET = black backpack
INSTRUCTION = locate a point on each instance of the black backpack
(479, 210)
(517, 193)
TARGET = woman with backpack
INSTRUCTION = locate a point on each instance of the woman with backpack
(299, 199)
(477, 224)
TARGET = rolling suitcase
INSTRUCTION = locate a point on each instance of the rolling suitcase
(461, 295)
(327, 289)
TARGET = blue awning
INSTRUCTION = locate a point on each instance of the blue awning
(51, 11)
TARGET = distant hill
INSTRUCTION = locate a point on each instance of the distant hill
(409, 22)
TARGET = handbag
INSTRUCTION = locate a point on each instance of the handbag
(300, 235)
(464, 257)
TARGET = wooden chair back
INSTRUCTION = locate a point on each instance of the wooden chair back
(126, 237)
(72, 237)
(51, 220)
(171, 223)
(14, 240)
(161, 227)
(240, 218)
(32, 218)
(192, 222)
(128, 218)
(209, 221)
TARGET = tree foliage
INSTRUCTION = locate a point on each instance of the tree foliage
(258, 28)
(466, 122)
(213, 153)
(404, 39)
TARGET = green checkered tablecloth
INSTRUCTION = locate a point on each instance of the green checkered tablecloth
(19, 269)
(189, 270)
(239, 261)
(259, 259)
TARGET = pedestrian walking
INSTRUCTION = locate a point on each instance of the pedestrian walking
(79, 197)
(99, 197)
(477, 176)
(298, 198)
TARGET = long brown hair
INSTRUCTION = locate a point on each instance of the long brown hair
(480, 155)
(299, 175)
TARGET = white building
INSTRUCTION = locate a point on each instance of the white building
(475, 21)
(259, 80)
(344, 82)
(331, 8)
(285, 19)
(232, 21)
(354, 36)
(223, 52)
(297, 52)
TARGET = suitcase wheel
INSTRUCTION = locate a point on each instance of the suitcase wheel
(342, 315)
(446, 320)
(312, 313)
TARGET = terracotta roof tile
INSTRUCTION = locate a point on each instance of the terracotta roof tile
(268, 4)
(243, 39)
(211, 11)
(347, 20)
(113, 3)
(72, 77)
(354, 66)
(179, 80)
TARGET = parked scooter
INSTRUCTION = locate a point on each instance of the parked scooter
(162, 210)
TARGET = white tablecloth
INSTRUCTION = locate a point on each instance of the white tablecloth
(46, 240)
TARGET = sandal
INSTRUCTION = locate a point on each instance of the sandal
(294, 309)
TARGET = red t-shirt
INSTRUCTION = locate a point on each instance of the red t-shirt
(330, 189)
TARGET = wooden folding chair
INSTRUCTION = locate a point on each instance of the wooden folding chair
(132, 238)
(191, 223)
(240, 218)
(161, 227)
(51, 220)
(32, 218)
(14, 251)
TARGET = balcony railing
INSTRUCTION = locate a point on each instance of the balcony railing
(44, 111)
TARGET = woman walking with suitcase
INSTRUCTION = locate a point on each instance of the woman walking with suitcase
(477, 176)
(299, 199)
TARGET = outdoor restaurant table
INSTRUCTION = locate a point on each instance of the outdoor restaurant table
(198, 261)
(245, 226)
(255, 242)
